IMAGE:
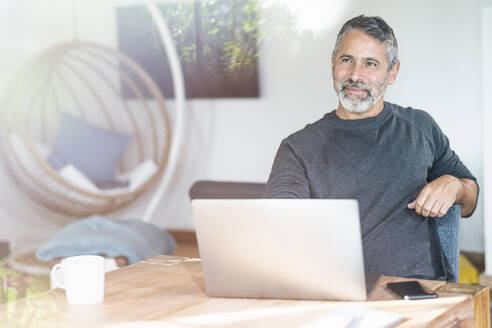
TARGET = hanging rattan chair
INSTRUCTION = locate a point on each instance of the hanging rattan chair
(86, 80)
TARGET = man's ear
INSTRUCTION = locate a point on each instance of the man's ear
(393, 73)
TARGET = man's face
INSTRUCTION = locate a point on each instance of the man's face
(360, 71)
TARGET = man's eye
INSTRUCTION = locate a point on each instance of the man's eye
(346, 60)
(371, 64)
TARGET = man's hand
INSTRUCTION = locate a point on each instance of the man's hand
(437, 197)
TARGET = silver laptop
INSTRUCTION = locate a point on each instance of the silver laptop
(281, 248)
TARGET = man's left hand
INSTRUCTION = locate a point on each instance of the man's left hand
(438, 196)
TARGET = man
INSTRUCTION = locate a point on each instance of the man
(395, 161)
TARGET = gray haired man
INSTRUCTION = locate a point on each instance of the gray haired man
(395, 161)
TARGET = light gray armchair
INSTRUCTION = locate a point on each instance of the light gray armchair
(448, 228)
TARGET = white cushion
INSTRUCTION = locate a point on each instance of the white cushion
(139, 175)
(76, 178)
(135, 178)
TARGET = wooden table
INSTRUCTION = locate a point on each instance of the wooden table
(167, 291)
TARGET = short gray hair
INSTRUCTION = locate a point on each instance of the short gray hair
(375, 27)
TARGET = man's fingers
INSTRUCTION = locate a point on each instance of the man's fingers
(428, 206)
(435, 199)
(421, 201)
(436, 209)
(442, 212)
(444, 209)
(418, 205)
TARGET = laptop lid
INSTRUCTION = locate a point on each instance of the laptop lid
(281, 248)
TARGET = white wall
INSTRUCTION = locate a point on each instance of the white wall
(236, 139)
(487, 135)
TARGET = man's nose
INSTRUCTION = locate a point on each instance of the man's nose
(356, 73)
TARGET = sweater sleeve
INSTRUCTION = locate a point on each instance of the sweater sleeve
(288, 176)
(446, 161)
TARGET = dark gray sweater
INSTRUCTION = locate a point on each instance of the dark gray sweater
(383, 162)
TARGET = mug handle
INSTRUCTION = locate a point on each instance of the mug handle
(53, 275)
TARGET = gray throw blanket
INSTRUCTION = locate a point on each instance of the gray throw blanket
(134, 239)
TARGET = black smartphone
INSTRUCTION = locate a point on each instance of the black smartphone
(409, 290)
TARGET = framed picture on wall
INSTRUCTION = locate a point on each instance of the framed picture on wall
(216, 40)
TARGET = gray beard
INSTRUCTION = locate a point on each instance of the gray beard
(356, 105)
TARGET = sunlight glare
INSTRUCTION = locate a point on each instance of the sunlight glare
(313, 15)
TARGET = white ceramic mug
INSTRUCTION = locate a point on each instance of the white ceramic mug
(83, 278)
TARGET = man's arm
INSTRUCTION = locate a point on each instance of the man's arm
(437, 197)
(450, 181)
(288, 176)
(468, 199)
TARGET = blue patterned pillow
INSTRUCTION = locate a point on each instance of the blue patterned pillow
(94, 151)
